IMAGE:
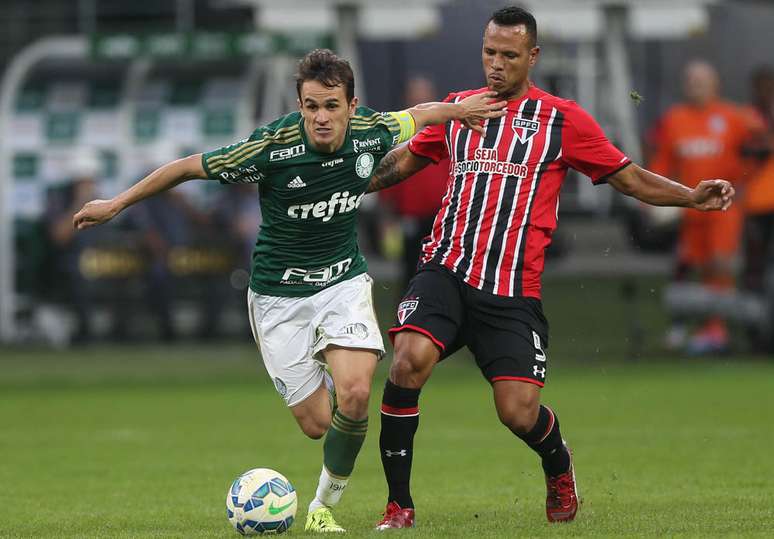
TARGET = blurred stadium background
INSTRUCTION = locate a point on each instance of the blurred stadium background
(147, 315)
(106, 90)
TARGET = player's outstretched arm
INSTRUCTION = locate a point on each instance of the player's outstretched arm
(657, 190)
(165, 177)
(472, 111)
(396, 166)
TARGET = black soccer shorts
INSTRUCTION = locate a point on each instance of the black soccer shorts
(507, 336)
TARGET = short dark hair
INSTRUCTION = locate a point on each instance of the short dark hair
(514, 16)
(326, 68)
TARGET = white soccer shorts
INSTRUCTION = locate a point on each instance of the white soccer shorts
(293, 332)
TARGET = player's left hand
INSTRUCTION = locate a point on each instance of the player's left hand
(478, 108)
(713, 195)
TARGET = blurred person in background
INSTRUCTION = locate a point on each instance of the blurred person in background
(166, 222)
(416, 201)
(61, 202)
(700, 138)
(237, 211)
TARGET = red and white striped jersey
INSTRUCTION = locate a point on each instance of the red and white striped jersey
(501, 202)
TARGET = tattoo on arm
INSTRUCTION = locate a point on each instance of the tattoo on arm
(395, 167)
(386, 174)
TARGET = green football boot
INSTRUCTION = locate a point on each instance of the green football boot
(321, 521)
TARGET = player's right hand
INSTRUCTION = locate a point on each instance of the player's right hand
(93, 213)
(480, 107)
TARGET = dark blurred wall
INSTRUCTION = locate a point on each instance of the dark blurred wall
(739, 37)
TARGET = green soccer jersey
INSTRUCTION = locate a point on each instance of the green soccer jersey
(308, 240)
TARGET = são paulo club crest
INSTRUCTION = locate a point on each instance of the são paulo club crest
(407, 308)
(524, 129)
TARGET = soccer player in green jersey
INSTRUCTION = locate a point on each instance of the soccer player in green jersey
(310, 298)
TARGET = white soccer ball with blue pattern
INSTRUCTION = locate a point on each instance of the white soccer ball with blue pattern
(261, 501)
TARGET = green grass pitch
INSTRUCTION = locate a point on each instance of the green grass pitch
(144, 441)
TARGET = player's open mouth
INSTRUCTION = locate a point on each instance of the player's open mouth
(496, 78)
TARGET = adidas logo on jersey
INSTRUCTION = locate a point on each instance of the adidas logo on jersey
(296, 183)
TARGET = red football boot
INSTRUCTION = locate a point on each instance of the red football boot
(562, 496)
(395, 517)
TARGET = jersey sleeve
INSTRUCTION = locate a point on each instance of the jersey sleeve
(586, 148)
(431, 141)
(241, 162)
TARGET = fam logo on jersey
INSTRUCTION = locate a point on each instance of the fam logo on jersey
(369, 145)
(407, 308)
(287, 153)
(524, 129)
(364, 165)
(317, 277)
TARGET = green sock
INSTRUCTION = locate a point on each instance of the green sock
(342, 444)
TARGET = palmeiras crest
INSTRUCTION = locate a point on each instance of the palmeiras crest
(524, 129)
(407, 308)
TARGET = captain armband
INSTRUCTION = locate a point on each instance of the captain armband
(408, 126)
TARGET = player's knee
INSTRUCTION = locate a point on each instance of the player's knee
(406, 373)
(409, 368)
(519, 417)
(353, 399)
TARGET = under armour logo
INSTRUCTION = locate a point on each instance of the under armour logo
(538, 371)
(401, 453)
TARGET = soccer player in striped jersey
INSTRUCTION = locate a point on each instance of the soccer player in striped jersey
(478, 282)
(309, 298)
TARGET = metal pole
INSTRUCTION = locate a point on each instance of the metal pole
(620, 79)
(346, 43)
(184, 16)
(61, 47)
(87, 16)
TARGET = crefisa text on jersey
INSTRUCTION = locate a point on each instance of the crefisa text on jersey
(486, 161)
(325, 209)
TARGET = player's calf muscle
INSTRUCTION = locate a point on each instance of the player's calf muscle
(313, 415)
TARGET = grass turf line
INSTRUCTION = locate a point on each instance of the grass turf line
(144, 443)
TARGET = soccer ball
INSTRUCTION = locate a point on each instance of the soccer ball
(261, 501)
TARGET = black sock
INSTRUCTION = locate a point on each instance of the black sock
(546, 440)
(400, 419)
